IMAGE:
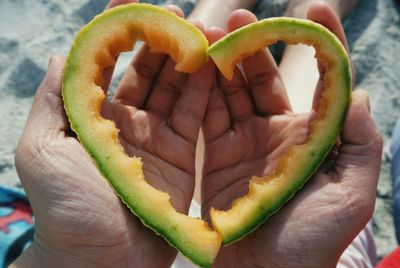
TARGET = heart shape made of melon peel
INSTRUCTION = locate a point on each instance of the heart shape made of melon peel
(95, 49)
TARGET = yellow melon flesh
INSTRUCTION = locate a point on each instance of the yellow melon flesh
(269, 193)
(95, 48)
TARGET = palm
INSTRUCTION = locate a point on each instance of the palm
(161, 128)
(159, 122)
(168, 157)
(290, 239)
(254, 117)
(327, 203)
(78, 213)
(258, 142)
(81, 214)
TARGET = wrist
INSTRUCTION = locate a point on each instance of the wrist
(26, 259)
(39, 255)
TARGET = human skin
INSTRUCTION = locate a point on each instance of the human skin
(248, 125)
(298, 67)
(214, 13)
(80, 222)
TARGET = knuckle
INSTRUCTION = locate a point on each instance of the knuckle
(144, 70)
(379, 140)
(190, 112)
(263, 78)
(200, 88)
(215, 110)
(376, 144)
(170, 87)
(19, 153)
(231, 89)
(25, 153)
(366, 208)
(240, 117)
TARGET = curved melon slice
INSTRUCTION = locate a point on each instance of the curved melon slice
(268, 193)
(95, 48)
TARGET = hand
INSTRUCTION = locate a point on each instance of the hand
(248, 125)
(79, 219)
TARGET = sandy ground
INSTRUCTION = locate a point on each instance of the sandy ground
(30, 31)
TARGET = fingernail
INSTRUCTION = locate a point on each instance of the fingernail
(365, 98)
(175, 9)
(368, 103)
(56, 60)
(51, 60)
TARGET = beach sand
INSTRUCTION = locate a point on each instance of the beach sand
(31, 31)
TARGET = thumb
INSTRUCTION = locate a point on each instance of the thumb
(359, 128)
(47, 118)
(359, 159)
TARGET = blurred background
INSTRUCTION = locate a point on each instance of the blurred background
(31, 31)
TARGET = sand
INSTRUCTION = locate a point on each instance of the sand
(30, 31)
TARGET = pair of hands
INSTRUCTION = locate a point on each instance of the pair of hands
(246, 122)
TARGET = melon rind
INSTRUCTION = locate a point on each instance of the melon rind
(269, 193)
(95, 48)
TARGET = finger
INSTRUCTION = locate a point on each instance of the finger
(240, 18)
(319, 88)
(236, 93)
(262, 73)
(237, 96)
(177, 10)
(138, 80)
(358, 118)
(114, 3)
(266, 84)
(359, 109)
(216, 120)
(322, 13)
(198, 24)
(359, 158)
(166, 90)
(108, 71)
(213, 34)
(47, 117)
(188, 113)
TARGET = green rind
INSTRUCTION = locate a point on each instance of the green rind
(273, 208)
(225, 51)
(104, 158)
